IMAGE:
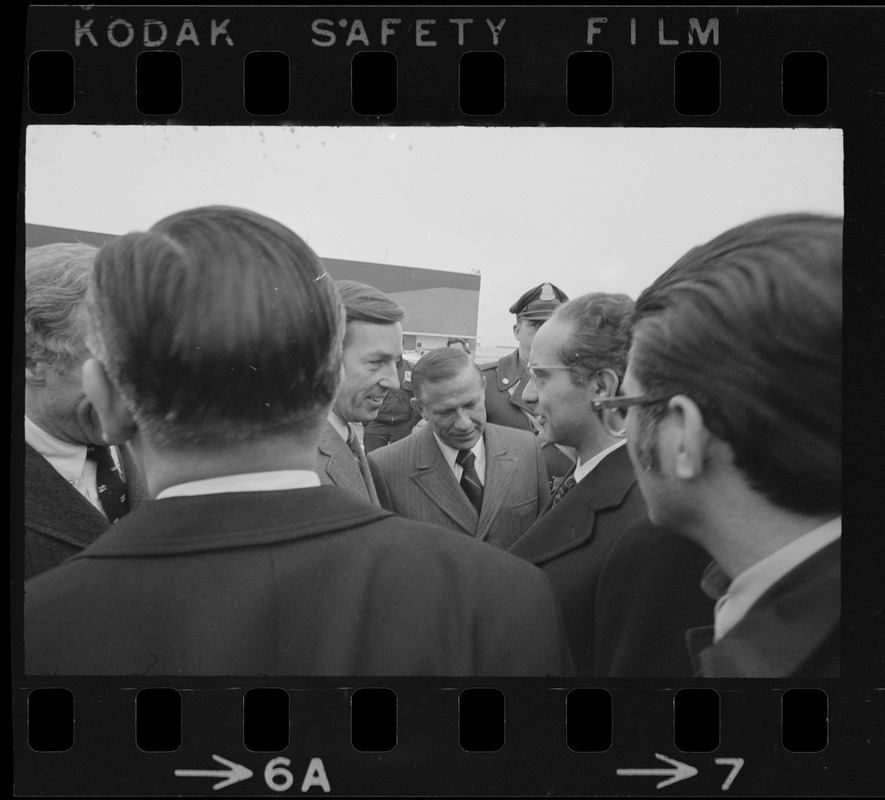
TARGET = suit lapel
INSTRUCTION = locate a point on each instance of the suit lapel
(339, 465)
(500, 467)
(56, 508)
(570, 523)
(435, 478)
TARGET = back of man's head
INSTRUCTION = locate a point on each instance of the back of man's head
(364, 303)
(56, 280)
(217, 326)
(749, 326)
(599, 334)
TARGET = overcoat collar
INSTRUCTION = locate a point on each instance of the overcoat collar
(204, 523)
(556, 531)
(781, 630)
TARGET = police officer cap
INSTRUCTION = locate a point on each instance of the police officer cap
(539, 303)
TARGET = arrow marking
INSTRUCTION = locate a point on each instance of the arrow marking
(680, 773)
(736, 764)
(233, 774)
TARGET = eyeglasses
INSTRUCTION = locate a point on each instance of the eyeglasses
(624, 403)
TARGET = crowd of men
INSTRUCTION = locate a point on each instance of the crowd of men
(231, 470)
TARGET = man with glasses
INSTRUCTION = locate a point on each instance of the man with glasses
(627, 589)
(734, 423)
(506, 378)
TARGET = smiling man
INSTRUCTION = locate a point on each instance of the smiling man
(458, 471)
(373, 343)
(75, 485)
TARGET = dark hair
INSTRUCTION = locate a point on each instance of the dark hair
(749, 326)
(56, 280)
(441, 364)
(218, 325)
(600, 334)
(364, 303)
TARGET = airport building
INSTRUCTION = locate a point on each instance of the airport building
(439, 305)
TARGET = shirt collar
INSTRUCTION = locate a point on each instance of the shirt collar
(271, 481)
(752, 583)
(451, 453)
(583, 470)
(67, 458)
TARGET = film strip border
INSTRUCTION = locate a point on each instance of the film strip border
(777, 67)
(453, 739)
(495, 65)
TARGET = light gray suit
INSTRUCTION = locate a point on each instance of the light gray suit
(337, 466)
(413, 480)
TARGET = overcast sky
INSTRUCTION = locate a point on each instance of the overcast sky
(590, 209)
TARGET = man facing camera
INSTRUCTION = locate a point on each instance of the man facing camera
(734, 422)
(76, 485)
(627, 589)
(216, 350)
(373, 348)
(486, 481)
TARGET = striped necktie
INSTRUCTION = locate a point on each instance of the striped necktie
(470, 482)
(568, 484)
(109, 482)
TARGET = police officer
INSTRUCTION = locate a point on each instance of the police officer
(507, 377)
(396, 417)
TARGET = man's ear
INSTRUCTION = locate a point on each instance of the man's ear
(416, 404)
(35, 372)
(692, 439)
(605, 383)
(117, 424)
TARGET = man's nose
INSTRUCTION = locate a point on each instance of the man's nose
(464, 421)
(530, 392)
(389, 379)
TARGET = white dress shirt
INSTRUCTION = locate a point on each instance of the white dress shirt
(69, 460)
(450, 454)
(752, 583)
(583, 470)
(272, 481)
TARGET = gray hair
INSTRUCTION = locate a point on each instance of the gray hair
(56, 280)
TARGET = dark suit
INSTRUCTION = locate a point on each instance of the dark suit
(628, 590)
(59, 521)
(299, 582)
(337, 466)
(791, 631)
(505, 382)
(414, 480)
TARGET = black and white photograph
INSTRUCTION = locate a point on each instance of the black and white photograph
(432, 401)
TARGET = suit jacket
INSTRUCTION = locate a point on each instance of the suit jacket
(414, 480)
(505, 406)
(628, 590)
(791, 631)
(59, 521)
(300, 582)
(336, 465)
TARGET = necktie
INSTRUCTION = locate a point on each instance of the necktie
(470, 482)
(109, 482)
(564, 487)
(359, 455)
